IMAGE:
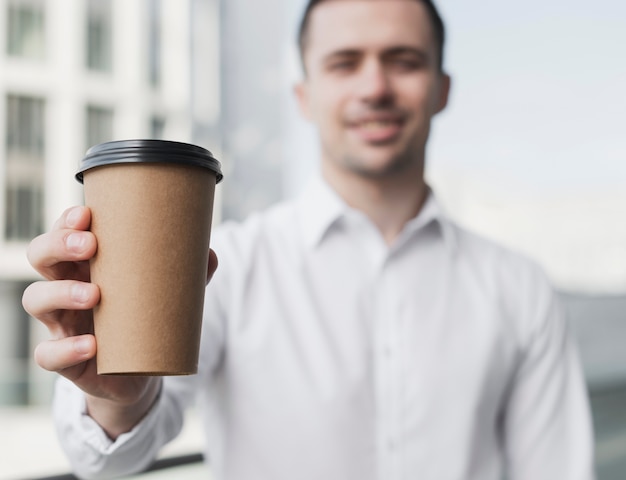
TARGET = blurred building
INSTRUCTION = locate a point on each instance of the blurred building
(255, 41)
(74, 74)
(217, 73)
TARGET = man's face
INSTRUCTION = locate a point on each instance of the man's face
(372, 84)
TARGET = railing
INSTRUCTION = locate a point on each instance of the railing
(162, 464)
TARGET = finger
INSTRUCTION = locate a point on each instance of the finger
(59, 355)
(45, 300)
(74, 218)
(50, 252)
(212, 266)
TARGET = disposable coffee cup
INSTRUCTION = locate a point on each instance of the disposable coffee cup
(151, 203)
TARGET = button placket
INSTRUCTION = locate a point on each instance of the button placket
(388, 369)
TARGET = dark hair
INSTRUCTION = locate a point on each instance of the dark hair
(437, 23)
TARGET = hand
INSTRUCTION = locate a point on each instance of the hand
(64, 305)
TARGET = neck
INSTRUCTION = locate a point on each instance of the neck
(389, 201)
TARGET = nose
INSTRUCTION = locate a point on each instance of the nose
(374, 83)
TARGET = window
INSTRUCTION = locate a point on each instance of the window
(24, 212)
(99, 125)
(26, 28)
(154, 42)
(24, 168)
(157, 127)
(14, 346)
(99, 38)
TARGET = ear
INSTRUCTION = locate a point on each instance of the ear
(444, 92)
(301, 93)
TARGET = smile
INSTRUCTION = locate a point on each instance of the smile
(374, 124)
(377, 131)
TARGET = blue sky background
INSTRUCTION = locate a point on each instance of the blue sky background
(538, 100)
(539, 96)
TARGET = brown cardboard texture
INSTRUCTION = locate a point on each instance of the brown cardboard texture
(152, 222)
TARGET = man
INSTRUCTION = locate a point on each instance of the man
(354, 333)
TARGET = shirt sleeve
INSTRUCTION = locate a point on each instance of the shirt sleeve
(92, 454)
(547, 421)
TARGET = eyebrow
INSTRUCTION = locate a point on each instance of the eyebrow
(391, 52)
(418, 52)
(348, 52)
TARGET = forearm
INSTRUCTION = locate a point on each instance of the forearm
(116, 418)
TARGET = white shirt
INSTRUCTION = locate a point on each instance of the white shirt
(327, 354)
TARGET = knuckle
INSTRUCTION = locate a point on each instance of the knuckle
(32, 250)
(62, 220)
(55, 355)
(41, 357)
(45, 299)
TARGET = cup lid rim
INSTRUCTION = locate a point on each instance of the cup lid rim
(148, 151)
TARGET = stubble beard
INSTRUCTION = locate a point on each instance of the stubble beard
(400, 164)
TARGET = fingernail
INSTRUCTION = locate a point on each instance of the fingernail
(82, 345)
(79, 293)
(73, 216)
(75, 242)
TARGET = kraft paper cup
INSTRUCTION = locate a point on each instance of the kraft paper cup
(151, 203)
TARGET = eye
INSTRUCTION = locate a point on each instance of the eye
(405, 64)
(341, 65)
(343, 62)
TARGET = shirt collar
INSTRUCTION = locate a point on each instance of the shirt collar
(432, 212)
(320, 207)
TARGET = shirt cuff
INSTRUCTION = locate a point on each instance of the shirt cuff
(91, 452)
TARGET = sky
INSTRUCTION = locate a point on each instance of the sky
(538, 92)
(538, 101)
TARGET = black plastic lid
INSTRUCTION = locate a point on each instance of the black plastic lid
(152, 151)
